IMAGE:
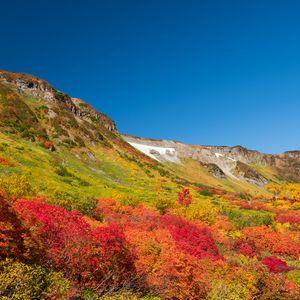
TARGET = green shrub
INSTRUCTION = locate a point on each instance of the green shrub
(242, 218)
(294, 275)
(73, 202)
(130, 200)
(62, 171)
(206, 193)
(163, 203)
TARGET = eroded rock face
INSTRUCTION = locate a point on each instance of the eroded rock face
(249, 174)
(28, 84)
(215, 171)
(37, 88)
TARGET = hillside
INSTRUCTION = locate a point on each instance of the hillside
(234, 168)
(90, 213)
(62, 142)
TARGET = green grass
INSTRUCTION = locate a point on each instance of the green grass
(64, 173)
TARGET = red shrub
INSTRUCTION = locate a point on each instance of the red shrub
(49, 145)
(253, 205)
(184, 197)
(276, 265)
(245, 247)
(191, 239)
(15, 241)
(266, 239)
(87, 255)
(289, 217)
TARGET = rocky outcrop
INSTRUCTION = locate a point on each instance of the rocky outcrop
(215, 171)
(249, 174)
(28, 84)
(32, 86)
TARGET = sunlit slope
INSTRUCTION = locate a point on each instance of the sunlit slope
(64, 146)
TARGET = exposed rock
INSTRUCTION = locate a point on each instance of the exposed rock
(37, 88)
(215, 171)
(249, 174)
(154, 152)
(91, 156)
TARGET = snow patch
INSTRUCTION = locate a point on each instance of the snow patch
(157, 153)
(222, 155)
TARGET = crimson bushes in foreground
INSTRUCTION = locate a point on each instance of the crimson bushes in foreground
(15, 240)
(139, 249)
(88, 256)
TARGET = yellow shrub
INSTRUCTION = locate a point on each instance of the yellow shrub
(202, 210)
(15, 186)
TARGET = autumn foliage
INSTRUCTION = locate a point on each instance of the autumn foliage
(70, 244)
(184, 197)
(275, 264)
(119, 248)
(5, 162)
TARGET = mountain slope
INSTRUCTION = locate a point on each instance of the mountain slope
(88, 213)
(41, 119)
(64, 146)
(221, 162)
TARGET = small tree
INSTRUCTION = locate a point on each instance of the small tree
(184, 197)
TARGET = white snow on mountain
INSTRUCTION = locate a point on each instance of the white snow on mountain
(157, 153)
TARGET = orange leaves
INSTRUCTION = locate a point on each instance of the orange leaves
(289, 217)
(49, 145)
(139, 248)
(265, 239)
(169, 250)
(152, 249)
(5, 162)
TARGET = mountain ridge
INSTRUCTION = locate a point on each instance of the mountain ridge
(45, 114)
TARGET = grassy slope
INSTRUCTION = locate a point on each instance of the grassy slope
(193, 171)
(109, 176)
(114, 172)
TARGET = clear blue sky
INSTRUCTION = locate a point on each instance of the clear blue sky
(203, 71)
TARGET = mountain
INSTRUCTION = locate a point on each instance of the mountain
(89, 213)
(238, 163)
(35, 113)
(63, 145)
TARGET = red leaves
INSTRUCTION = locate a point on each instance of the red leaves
(276, 265)
(191, 239)
(265, 239)
(49, 145)
(73, 247)
(15, 241)
(184, 197)
(246, 247)
(289, 217)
